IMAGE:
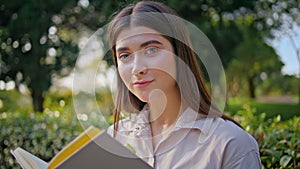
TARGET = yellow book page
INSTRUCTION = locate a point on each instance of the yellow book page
(72, 147)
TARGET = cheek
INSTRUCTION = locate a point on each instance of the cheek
(125, 75)
(167, 65)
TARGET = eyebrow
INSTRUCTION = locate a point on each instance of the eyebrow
(150, 42)
(141, 46)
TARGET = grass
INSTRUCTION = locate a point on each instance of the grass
(285, 110)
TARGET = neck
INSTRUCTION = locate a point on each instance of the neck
(164, 109)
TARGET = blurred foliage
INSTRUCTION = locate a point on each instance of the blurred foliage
(266, 84)
(252, 57)
(279, 141)
(34, 48)
(40, 40)
(13, 100)
(47, 133)
(285, 110)
(41, 134)
(273, 85)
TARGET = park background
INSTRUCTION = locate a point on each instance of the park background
(258, 43)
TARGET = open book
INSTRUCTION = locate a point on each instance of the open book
(91, 149)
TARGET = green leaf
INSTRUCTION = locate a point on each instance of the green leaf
(272, 152)
(284, 161)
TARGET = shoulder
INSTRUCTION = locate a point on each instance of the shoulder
(229, 130)
(233, 136)
(240, 148)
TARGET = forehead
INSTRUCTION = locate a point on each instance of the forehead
(130, 34)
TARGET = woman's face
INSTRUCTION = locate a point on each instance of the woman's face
(145, 61)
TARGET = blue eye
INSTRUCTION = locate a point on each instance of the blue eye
(124, 57)
(151, 50)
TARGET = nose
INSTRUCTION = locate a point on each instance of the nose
(139, 65)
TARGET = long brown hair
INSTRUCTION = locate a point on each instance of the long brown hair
(152, 15)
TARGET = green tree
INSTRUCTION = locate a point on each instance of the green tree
(32, 48)
(279, 84)
(40, 39)
(252, 57)
(279, 19)
(217, 20)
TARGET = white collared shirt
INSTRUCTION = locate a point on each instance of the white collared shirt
(193, 143)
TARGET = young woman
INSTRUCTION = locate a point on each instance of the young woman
(161, 87)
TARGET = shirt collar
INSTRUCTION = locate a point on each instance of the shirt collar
(141, 117)
(188, 119)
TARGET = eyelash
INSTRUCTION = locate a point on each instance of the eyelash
(125, 56)
(149, 49)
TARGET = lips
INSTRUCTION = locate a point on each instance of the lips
(142, 83)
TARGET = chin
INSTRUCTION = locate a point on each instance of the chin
(143, 98)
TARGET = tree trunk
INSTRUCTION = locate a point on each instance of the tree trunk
(37, 100)
(251, 87)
